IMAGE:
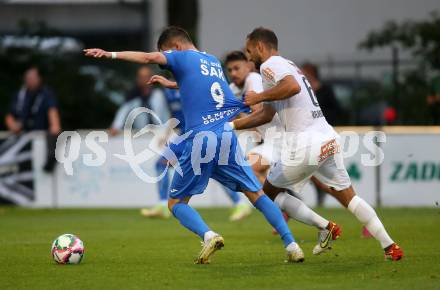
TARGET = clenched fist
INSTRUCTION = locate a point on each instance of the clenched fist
(252, 98)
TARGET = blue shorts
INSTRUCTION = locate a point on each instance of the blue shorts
(177, 149)
(231, 170)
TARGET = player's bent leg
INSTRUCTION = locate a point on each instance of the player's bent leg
(281, 177)
(191, 220)
(333, 174)
(272, 192)
(160, 210)
(188, 216)
(274, 216)
(368, 217)
(241, 209)
(294, 207)
(233, 195)
(327, 231)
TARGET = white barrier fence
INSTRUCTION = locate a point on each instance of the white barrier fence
(408, 176)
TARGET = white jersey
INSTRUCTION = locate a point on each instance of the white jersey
(254, 83)
(299, 114)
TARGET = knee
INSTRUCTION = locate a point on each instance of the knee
(271, 191)
(344, 196)
(172, 203)
(253, 196)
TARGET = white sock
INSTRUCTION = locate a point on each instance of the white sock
(209, 235)
(298, 210)
(368, 217)
(292, 246)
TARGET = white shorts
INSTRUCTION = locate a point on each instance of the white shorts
(325, 163)
(271, 153)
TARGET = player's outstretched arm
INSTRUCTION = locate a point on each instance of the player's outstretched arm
(256, 118)
(131, 56)
(285, 88)
(157, 79)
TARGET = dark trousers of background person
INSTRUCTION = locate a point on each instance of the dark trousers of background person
(435, 113)
(51, 143)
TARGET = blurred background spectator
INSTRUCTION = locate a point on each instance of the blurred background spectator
(324, 93)
(142, 95)
(34, 108)
(433, 100)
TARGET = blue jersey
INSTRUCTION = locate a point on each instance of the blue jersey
(175, 105)
(207, 100)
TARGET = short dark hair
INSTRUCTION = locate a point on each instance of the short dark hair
(235, 55)
(264, 35)
(313, 68)
(170, 33)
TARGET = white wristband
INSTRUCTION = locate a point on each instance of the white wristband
(232, 125)
(114, 55)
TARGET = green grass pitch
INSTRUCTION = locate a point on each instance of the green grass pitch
(126, 251)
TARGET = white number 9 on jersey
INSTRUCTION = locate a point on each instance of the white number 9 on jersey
(218, 95)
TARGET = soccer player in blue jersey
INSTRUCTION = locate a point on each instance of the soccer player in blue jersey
(212, 149)
(241, 207)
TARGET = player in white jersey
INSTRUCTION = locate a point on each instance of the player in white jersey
(314, 149)
(270, 155)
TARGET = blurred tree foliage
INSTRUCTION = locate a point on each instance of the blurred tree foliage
(82, 86)
(422, 40)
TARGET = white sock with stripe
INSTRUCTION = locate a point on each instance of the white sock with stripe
(368, 217)
(299, 211)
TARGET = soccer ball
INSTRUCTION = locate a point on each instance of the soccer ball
(67, 249)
